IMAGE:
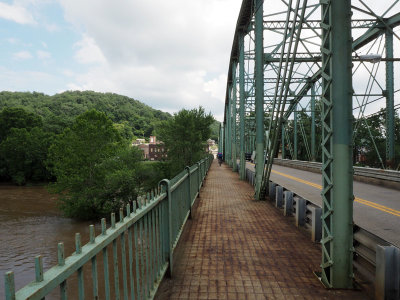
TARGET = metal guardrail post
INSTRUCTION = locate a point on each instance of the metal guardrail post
(288, 203)
(10, 286)
(300, 212)
(279, 196)
(168, 236)
(199, 179)
(189, 182)
(387, 278)
(271, 190)
(316, 232)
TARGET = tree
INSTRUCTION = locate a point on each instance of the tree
(185, 136)
(23, 154)
(15, 117)
(90, 161)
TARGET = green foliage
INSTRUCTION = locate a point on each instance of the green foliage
(23, 154)
(15, 117)
(151, 172)
(215, 130)
(60, 110)
(185, 136)
(83, 159)
(53, 114)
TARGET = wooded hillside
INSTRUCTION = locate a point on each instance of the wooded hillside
(60, 110)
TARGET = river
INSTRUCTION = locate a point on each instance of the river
(31, 225)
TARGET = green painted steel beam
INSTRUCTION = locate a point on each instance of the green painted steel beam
(337, 167)
(376, 31)
(371, 34)
(242, 168)
(283, 141)
(390, 137)
(228, 135)
(259, 95)
(295, 123)
(234, 114)
(313, 123)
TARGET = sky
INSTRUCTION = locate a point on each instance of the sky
(168, 54)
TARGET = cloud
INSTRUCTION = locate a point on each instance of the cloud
(22, 55)
(170, 55)
(43, 54)
(88, 52)
(16, 13)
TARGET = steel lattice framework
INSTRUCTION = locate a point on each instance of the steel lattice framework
(332, 59)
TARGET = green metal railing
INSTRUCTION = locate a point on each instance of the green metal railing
(141, 243)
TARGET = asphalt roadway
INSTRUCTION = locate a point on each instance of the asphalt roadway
(376, 208)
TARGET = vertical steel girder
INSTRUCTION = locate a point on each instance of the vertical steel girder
(221, 140)
(242, 169)
(390, 139)
(295, 133)
(259, 95)
(337, 168)
(228, 136)
(283, 141)
(313, 123)
(234, 102)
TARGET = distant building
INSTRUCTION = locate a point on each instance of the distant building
(157, 151)
(153, 150)
(138, 142)
(145, 149)
(153, 140)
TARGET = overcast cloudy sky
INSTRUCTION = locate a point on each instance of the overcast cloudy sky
(168, 54)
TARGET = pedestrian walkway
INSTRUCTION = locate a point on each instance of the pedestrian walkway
(238, 248)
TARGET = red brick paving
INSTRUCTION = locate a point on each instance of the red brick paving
(238, 248)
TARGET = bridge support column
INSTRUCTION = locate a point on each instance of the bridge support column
(228, 132)
(295, 133)
(221, 140)
(259, 95)
(234, 100)
(390, 149)
(337, 165)
(313, 122)
(283, 141)
(242, 169)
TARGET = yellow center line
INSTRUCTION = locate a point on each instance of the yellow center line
(359, 200)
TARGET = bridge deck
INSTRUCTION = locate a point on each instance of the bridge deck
(236, 248)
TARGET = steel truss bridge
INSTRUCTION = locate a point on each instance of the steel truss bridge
(332, 61)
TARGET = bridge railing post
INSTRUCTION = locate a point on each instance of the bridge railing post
(288, 203)
(387, 277)
(316, 232)
(199, 179)
(189, 184)
(10, 286)
(271, 190)
(168, 216)
(301, 208)
(279, 196)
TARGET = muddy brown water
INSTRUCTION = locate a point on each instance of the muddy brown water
(31, 225)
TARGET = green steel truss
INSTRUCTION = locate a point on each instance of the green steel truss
(332, 61)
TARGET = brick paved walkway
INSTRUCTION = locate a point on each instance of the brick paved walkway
(238, 248)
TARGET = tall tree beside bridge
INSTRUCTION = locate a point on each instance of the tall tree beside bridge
(96, 169)
(185, 136)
